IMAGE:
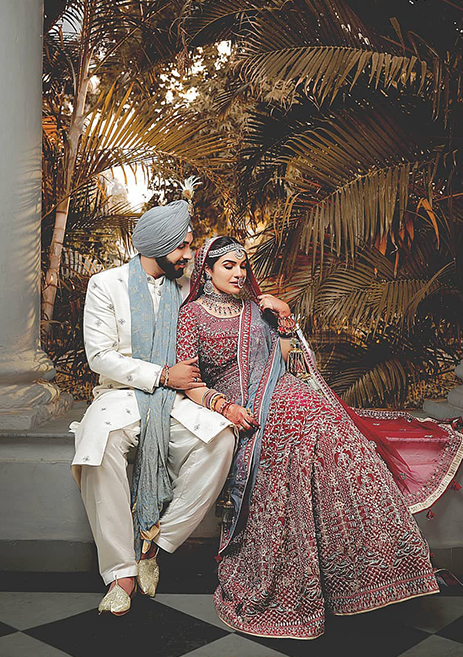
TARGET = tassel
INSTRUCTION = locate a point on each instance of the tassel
(228, 512)
(219, 507)
(455, 485)
(430, 515)
(296, 362)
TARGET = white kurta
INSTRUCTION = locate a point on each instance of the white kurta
(108, 344)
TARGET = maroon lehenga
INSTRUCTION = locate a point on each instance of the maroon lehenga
(322, 524)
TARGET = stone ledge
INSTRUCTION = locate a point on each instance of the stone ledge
(57, 427)
(440, 409)
(43, 525)
(27, 419)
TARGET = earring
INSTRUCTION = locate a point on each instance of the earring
(208, 287)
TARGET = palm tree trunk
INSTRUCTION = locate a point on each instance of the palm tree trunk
(54, 260)
(56, 248)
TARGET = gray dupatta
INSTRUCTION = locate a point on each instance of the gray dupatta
(154, 341)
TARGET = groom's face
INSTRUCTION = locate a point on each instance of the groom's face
(174, 263)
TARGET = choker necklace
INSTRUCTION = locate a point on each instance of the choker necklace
(221, 304)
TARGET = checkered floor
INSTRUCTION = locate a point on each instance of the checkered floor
(57, 623)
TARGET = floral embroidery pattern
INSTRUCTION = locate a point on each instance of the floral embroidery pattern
(324, 507)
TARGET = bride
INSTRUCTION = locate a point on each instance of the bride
(320, 496)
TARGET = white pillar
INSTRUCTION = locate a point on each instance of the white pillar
(27, 397)
(442, 409)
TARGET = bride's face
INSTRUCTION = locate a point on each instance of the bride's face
(228, 273)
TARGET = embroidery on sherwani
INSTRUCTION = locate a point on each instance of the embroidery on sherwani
(154, 341)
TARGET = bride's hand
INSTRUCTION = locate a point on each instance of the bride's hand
(241, 417)
(277, 306)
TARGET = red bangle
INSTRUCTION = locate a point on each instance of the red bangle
(224, 408)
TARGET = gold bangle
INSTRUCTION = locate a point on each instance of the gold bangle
(215, 399)
(164, 376)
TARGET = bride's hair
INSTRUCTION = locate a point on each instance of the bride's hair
(219, 244)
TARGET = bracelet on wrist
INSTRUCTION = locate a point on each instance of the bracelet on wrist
(164, 380)
(225, 407)
(286, 326)
(207, 397)
(215, 399)
(221, 404)
(210, 399)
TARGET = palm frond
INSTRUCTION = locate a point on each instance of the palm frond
(324, 70)
(322, 46)
(123, 133)
(360, 386)
(214, 20)
(369, 293)
(350, 177)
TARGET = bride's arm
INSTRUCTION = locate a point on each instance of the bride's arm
(285, 346)
(188, 347)
(285, 321)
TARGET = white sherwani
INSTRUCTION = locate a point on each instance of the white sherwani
(108, 344)
(110, 428)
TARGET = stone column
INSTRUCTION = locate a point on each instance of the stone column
(27, 397)
(442, 409)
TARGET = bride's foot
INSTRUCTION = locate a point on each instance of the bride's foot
(118, 599)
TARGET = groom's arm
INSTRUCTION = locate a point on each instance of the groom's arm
(101, 339)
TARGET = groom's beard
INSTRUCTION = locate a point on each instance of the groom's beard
(169, 268)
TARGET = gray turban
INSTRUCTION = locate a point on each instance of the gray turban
(162, 229)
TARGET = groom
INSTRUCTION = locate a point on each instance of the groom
(184, 451)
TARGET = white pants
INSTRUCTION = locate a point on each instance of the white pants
(198, 471)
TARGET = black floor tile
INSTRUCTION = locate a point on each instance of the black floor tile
(47, 582)
(454, 631)
(453, 589)
(364, 635)
(192, 569)
(6, 629)
(149, 629)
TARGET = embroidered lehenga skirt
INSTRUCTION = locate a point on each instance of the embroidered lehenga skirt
(320, 524)
(327, 529)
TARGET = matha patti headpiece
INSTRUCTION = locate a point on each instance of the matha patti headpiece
(239, 250)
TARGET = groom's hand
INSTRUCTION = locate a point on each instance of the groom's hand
(185, 375)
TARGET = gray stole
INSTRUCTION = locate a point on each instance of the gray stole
(153, 340)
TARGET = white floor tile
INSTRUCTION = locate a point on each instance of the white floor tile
(25, 610)
(21, 645)
(198, 606)
(235, 646)
(435, 646)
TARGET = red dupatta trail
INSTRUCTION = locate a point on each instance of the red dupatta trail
(422, 455)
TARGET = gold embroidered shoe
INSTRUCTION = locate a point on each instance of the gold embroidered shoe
(148, 576)
(117, 601)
